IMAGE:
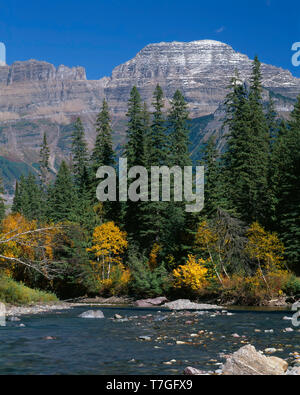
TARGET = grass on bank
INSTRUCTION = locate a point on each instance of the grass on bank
(16, 293)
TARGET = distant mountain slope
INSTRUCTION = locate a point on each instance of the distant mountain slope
(36, 97)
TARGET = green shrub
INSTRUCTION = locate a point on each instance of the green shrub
(292, 286)
(18, 294)
(146, 282)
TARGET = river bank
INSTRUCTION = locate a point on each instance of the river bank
(39, 308)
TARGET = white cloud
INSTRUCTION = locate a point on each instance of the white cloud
(220, 30)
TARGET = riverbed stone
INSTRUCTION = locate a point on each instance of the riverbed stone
(92, 314)
(185, 304)
(151, 302)
(189, 371)
(270, 350)
(249, 362)
(14, 319)
(145, 338)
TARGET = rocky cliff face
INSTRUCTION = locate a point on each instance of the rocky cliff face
(201, 69)
(36, 97)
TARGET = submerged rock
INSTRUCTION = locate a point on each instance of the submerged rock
(14, 319)
(145, 338)
(160, 318)
(185, 304)
(248, 362)
(95, 314)
(270, 350)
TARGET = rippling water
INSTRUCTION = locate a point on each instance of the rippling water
(84, 346)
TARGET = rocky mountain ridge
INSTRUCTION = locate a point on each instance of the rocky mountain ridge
(36, 97)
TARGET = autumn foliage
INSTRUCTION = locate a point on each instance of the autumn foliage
(24, 245)
(109, 244)
(193, 274)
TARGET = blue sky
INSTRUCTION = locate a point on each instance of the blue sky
(101, 34)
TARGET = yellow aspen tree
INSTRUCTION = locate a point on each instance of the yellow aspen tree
(192, 275)
(207, 241)
(109, 243)
(265, 248)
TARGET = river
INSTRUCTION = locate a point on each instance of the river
(87, 346)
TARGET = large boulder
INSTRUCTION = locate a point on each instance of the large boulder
(151, 302)
(185, 304)
(95, 314)
(248, 362)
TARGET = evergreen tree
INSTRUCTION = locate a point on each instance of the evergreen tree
(28, 198)
(44, 163)
(2, 201)
(146, 122)
(235, 159)
(179, 132)
(83, 212)
(247, 158)
(62, 196)
(177, 229)
(79, 153)
(16, 206)
(286, 177)
(271, 120)
(214, 188)
(103, 153)
(136, 156)
(260, 148)
(157, 143)
(154, 213)
(135, 148)
(277, 160)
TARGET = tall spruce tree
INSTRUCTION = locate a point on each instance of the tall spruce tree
(44, 163)
(136, 156)
(2, 201)
(28, 198)
(235, 159)
(176, 235)
(154, 213)
(260, 149)
(158, 139)
(135, 148)
(247, 157)
(179, 132)
(286, 162)
(16, 206)
(62, 196)
(214, 188)
(79, 153)
(271, 119)
(103, 153)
